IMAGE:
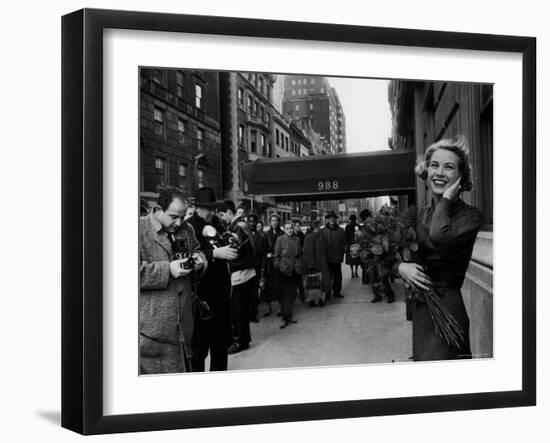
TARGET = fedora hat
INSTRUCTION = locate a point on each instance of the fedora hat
(205, 198)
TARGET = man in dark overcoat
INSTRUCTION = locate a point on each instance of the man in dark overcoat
(166, 290)
(260, 250)
(334, 239)
(272, 281)
(212, 327)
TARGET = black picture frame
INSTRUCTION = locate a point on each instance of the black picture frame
(82, 279)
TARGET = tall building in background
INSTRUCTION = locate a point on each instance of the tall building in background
(310, 102)
(179, 131)
(340, 125)
(278, 93)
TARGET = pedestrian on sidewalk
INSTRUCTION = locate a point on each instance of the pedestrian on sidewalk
(212, 333)
(272, 288)
(352, 260)
(243, 271)
(287, 258)
(335, 246)
(298, 233)
(260, 250)
(315, 262)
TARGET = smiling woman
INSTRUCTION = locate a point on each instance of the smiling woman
(446, 230)
(444, 163)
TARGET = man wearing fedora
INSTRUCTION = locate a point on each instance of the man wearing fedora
(334, 239)
(212, 331)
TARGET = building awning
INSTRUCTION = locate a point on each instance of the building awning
(331, 177)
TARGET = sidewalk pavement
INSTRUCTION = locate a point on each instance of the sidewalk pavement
(347, 331)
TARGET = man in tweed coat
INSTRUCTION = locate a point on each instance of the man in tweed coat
(166, 295)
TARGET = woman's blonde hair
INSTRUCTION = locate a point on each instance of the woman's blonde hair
(458, 146)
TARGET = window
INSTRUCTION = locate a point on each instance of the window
(182, 176)
(269, 150)
(311, 106)
(158, 117)
(312, 81)
(199, 138)
(297, 107)
(249, 104)
(322, 90)
(240, 98)
(286, 143)
(158, 76)
(293, 82)
(255, 109)
(262, 138)
(180, 81)
(293, 92)
(253, 141)
(262, 85)
(181, 130)
(277, 137)
(267, 117)
(262, 113)
(198, 96)
(201, 178)
(299, 81)
(161, 172)
(241, 136)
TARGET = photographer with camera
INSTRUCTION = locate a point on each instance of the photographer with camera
(213, 332)
(243, 273)
(169, 255)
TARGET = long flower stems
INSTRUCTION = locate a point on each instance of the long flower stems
(445, 325)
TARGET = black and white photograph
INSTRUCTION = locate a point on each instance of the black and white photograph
(298, 221)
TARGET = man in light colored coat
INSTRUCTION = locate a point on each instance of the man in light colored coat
(167, 285)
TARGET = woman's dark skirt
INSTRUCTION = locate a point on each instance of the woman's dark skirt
(289, 288)
(426, 343)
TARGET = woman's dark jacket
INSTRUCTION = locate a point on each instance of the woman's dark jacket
(446, 234)
(288, 248)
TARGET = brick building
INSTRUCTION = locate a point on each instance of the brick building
(179, 130)
(248, 133)
(425, 112)
(312, 98)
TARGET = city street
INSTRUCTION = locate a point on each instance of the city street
(351, 330)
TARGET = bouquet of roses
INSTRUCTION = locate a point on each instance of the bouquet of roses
(378, 248)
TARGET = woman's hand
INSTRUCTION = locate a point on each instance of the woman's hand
(452, 192)
(413, 274)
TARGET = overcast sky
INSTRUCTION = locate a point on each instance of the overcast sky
(367, 111)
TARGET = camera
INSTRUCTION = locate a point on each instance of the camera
(220, 240)
(181, 253)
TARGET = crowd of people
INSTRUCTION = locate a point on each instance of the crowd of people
(205, 271)
(207, 267)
